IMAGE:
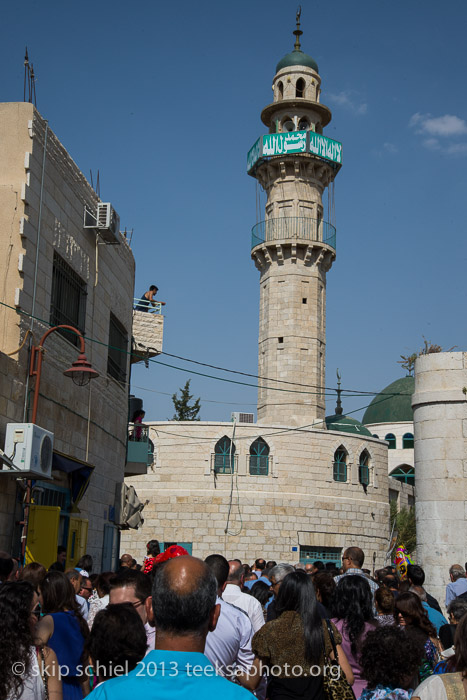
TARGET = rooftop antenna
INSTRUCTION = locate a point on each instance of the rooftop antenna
(298, 32)
(339, 391)
(29, 88)
(98, 185)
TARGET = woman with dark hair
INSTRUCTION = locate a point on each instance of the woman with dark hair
(65, 630)
(453, 684)
(34, 573)
(294, 643)
(117, 642)
(410, 614)
(352, 613)
(101, 600)
(324, 587)
(153, 549)
(85, 563)
(389, 660)
(384, 602)
(21, 676)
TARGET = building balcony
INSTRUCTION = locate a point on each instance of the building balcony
(140, 450)
(297, 229)
(148, 331)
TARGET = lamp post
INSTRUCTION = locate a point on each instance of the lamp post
(81, 372)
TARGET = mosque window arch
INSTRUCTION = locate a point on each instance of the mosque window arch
(300, 88)
(407, 441)
(391, 438)
(224, 456)
(339, 471)
(280, 90)
(287, 124)
(303, 124)
(259, 457)
(364, 468)
(375, 436)
(404, 473)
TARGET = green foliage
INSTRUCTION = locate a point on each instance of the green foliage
(183, 410)
(405, 526)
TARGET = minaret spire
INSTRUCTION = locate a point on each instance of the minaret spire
(339, 392)
(298, 32)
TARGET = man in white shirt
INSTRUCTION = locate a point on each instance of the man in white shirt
(228, 647)
(233, 594)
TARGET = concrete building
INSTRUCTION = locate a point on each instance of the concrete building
(56, 271)
(293, 485)
(440, 429)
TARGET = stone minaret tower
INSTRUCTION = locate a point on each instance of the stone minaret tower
(294, 246)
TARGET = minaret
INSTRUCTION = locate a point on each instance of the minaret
(294, 247)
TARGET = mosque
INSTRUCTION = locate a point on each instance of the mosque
(295, 485)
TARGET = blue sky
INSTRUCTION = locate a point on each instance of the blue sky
(165, 100)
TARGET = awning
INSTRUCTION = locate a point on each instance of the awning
(80, 473)
(128, 507)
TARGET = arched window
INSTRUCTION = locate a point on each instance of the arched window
(391, 438)
(287, 124)
(259, 457)
(404, 473)
(364, 468)
(224, 456)
(300, 88)
(375, 436)
(280, 90)
(340, 464)
(303, 124)
(407, 441)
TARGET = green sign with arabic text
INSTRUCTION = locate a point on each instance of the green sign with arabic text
(294, 142)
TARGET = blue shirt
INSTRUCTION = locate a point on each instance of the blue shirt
(455, 588)
(171, 675)
(435, 617)
(250, 584)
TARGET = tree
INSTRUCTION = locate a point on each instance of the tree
(408, 361)
(405, 526)
(183, 410)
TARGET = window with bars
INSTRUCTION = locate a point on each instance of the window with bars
(391, 438)
(328, 555)
(224, 456)
(68, 301)
(364, 468)
(118, 346)
(340, 464)
(404, 473)
(407, 441)
(259, 457)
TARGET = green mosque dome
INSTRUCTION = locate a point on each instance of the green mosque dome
(297, 58)
(392, 409)
(344, 424)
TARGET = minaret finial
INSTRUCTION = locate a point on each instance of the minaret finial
(298, 32)
(339, 391)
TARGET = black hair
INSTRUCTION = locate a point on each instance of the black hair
(85, 563)
(183, 614)
(297, 593)
(261, 591)
(416, 617)
(133, 579)
(16, 637)
(271, 564)
(219, 567)
(318, 565)
(416, 574)
(58, 595)
(6, 567)
(356, 556)
(390, 657)
(117, 639)
(153, 288)
(61, 550)
(352, 602)
(102, 582)
(260, 564)
(153, 548)
(324, 582)
(391, 581)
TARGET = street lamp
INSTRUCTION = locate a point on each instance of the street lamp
(81, 371)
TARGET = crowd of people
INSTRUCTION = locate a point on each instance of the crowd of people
(180, 627)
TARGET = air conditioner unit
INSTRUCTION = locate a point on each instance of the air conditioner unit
(243, 417)
(108, 223)
(30, 449)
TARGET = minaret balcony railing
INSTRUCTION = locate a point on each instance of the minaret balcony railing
(293, 228)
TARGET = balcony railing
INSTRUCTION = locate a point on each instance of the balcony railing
(152, 307)
(293, 228)
(140, 449)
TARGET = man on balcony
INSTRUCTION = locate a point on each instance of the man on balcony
(148, 299)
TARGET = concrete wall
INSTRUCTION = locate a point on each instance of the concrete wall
(298, 503)
(440, 428)
(89, 423)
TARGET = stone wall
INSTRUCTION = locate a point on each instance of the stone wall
(297, 503)
(89, 423)
(440, 429)
(148, 331)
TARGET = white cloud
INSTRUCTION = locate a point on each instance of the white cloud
(349, 100)
(447, 125)
(390, 147)
(432, 144)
